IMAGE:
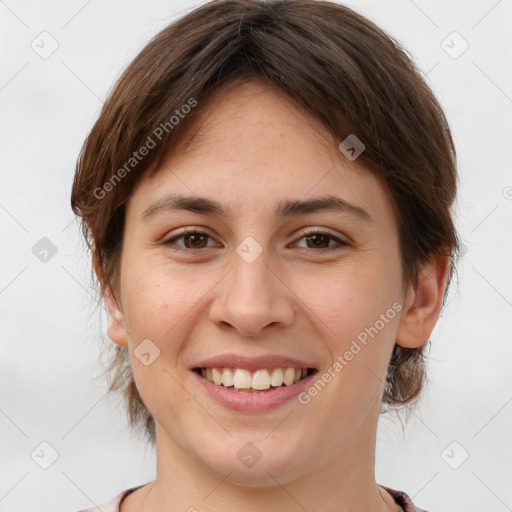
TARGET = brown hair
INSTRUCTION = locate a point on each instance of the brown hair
(341, 68)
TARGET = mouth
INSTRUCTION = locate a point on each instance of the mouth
(252, 384)
(262, 380)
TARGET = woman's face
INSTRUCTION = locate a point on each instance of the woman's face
(252, 292)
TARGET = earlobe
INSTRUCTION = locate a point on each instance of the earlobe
(116, 329)
(115, 321)
(422, 304)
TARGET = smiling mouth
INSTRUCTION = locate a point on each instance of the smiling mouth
(259, 381)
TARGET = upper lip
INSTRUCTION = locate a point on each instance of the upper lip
(252, 363)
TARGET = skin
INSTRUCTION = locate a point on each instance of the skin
(255, 148)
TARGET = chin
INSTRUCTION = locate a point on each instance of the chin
(253, 463)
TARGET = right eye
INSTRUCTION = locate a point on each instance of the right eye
(193, 237)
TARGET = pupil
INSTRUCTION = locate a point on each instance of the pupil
(194, 238)
(316, 237)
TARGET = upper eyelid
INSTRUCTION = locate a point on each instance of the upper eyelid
(309, 231)
(302, 232)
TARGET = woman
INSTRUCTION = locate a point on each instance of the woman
(267, 198)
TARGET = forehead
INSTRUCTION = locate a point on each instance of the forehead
(231, 115)
(249, 146)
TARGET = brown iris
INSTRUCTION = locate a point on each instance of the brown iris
(316, 238)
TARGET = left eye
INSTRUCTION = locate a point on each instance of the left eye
(319, 238)
(198, 239)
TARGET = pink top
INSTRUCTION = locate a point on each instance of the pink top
(113, 505)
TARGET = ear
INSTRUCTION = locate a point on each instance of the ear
(116, 329)
(422, 304)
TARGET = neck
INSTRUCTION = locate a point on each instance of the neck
(341, 481)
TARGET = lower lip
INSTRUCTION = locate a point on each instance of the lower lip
(258, 401)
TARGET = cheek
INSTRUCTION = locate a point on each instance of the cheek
(348, 300)
(356, 312)
(158, 299)
(159, 306)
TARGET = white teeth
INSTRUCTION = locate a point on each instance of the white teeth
(217, 376)
(227, 377)
(277, 377)
(260, 380)
(289, 376)
(242, 379)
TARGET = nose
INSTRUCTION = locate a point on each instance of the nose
(252, 298)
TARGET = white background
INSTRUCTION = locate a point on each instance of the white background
(51, 329)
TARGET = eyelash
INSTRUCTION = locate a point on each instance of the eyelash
(306, 233)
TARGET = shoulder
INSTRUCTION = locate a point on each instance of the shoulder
(112, 505)
(403, 500)
(400, 497)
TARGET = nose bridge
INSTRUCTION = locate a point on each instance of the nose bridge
(251, 278)
(252, 297)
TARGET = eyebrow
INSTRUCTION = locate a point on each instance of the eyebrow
(286, 208)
